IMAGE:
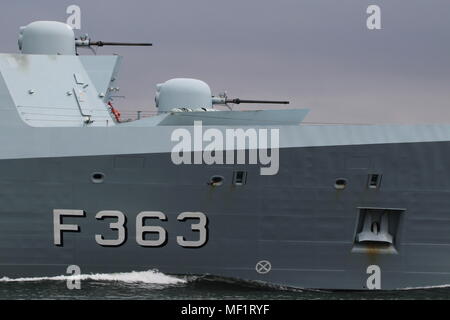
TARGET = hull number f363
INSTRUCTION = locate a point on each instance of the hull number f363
(159, 234)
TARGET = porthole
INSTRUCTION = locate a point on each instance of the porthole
(216, 181)
(97, 177)
(340, 183)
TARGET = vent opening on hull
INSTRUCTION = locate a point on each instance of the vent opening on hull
(374, 181)
(240, 178)
(377, 230)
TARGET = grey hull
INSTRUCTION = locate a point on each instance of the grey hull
(296, 219)
(351, 207)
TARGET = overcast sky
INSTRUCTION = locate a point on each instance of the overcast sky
(318, 54)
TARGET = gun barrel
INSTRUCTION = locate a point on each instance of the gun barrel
(108, 43)
(238, 101)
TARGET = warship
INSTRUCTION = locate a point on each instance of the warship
(354, 207)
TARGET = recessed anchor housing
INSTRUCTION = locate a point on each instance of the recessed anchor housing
(377, 230)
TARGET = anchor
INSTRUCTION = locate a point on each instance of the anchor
(375, 232)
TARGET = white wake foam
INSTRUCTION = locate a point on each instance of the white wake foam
(150, 276)
(442, 286)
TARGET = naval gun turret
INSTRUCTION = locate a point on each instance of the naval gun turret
(183, 94)
(52, 37)
(47, 37)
